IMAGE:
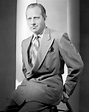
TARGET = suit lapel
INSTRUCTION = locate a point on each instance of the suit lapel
(45, 45)
(26, 48)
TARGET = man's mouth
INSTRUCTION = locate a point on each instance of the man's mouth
(34, 27)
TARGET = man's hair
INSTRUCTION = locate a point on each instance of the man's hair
(43, 11)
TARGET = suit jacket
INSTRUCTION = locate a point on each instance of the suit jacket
(55, 50)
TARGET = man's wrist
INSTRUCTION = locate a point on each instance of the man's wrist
(65, 97)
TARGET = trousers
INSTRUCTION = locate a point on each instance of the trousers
(32, 96)
(11, 106)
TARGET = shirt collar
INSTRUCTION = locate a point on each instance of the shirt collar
(40, 35)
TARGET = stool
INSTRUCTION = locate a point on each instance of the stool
(53, 108)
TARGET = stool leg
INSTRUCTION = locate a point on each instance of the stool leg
(54, 109)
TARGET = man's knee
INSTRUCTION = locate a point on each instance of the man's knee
(34, 107)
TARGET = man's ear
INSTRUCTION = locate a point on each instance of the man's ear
(45, 16)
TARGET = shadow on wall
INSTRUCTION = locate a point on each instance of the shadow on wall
(7, 48)
(84, 34)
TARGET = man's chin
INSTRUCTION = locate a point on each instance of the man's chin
(35, 31)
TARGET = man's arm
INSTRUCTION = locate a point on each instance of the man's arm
(26, 71)
(23, 63)
(74, 63)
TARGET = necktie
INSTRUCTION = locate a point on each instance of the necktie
(34, 49)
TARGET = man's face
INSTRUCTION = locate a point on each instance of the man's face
(35, 20)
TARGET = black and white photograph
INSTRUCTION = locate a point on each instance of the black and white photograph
(44, 55)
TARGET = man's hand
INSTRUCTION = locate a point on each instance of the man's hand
(65, 97)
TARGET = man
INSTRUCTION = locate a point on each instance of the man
(44, 55)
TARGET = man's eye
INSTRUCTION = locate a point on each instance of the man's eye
(29, 18)
(36, 17)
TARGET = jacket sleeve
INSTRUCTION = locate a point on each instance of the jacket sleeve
(26, 69)
(23, 63)
(73, 61)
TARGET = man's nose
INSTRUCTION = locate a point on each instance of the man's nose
(33, 22)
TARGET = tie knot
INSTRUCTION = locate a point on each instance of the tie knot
(37, 37)
(36, 41)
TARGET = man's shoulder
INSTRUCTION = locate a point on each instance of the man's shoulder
(26, 40)
(59, 36)
(55, 34)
